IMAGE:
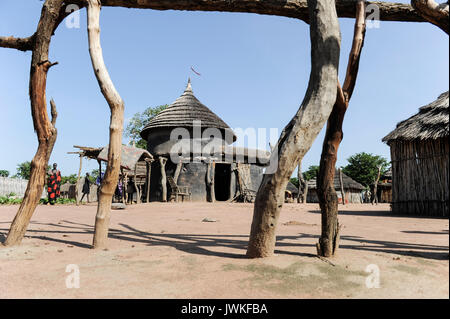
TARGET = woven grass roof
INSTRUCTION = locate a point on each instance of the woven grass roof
(348, 182)
(183, 112)
(291, 188)
(432, 122)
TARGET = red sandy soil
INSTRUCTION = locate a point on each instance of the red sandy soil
(164, 250)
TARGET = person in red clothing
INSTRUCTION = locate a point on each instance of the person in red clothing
(53, 184)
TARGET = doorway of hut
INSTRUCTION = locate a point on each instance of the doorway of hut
(222, 179)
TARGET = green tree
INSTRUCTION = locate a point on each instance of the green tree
(311, 173)
(72, 179)
(138, 122)
(24, 170)
(363, 167)
(4, 173)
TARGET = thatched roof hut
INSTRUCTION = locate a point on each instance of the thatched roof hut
(420, 161)
(352, 189)
(184, 112)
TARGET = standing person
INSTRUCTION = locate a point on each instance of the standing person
(53, 184)
(86, 188)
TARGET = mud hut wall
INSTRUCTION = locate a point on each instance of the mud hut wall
(420, 183)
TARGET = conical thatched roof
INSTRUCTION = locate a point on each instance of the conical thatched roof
(430, 123)
(183, 112)
(348, 182)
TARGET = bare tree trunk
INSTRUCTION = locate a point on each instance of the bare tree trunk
(300, 133)
(162, 163)
(116, 105)
(328, 199)
(45, 129)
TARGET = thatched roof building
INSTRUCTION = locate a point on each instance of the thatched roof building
(194, 158)
(420, 161)
(352, 189)
(185, 112)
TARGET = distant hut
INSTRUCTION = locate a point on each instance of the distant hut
(352, 189)
(420, 161)
(384, 188)
(135, 170)
(194, 158)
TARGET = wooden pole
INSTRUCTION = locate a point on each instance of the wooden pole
(162, 163)
(149, 171)
(375, 187)
(342, 186)
(138, 192)
(78, 181)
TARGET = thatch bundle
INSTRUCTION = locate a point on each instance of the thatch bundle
(420, 161)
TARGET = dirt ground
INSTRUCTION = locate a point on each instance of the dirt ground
(166, 250)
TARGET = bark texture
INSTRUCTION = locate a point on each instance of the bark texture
(116, 105)
(437, 14)
(45, 129)
(287, 8)
(298, 136)
(328, 200)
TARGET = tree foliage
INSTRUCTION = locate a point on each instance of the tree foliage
(24, 170)
(138, 122)
(72, 179)
(363, 167)
(294, 180)
(311, 173)
(4, 173)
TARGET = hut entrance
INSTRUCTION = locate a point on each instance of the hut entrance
(222, 179)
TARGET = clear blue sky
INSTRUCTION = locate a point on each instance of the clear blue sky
(254, 72)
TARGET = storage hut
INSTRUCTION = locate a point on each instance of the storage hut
(193, 156)
(291, 193)
(420, 161)
(135, 169)
(352, 189)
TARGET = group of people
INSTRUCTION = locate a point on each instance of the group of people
(54, 186)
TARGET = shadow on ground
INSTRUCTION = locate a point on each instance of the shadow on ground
(201, 244)
(378, 213)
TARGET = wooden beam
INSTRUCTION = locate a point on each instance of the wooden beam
(287, 8)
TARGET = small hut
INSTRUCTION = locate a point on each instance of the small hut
(291, 193)
(352, 189)
(194, 158)
(420, 161)
(135, 169)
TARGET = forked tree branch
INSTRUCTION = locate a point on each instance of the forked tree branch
(437, 14)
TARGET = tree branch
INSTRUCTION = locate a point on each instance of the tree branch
(22, 44)
(287, 8)
(355, 52)
(437, 14)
